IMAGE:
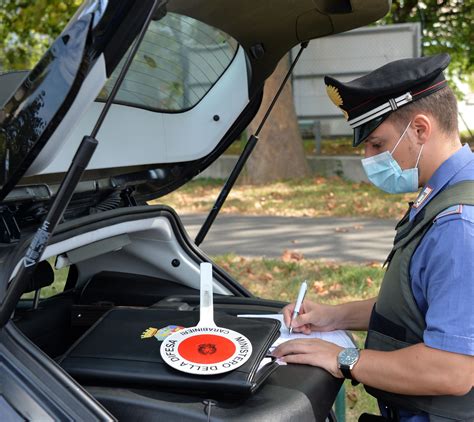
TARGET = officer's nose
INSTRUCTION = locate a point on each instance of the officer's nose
(368, 151)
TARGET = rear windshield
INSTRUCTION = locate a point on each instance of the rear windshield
(178, 62)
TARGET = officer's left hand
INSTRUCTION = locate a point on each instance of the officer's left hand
(313, 352)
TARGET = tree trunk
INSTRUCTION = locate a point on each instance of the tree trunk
(279, 152)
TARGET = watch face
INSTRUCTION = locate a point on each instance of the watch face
(348, 357)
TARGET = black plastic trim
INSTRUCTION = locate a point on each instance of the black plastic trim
(59, 396)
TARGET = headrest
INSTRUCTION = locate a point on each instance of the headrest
(42, 276)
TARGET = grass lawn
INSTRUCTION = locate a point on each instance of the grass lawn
(312, 197)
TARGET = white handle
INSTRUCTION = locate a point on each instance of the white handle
(206, 315)
(301, 295)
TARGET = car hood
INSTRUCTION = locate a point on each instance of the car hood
(193, 87)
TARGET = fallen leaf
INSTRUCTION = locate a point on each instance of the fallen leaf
(341, 229)
(320, 288)
(225, 266)
(352, 397)
(266, 277)
(335, 287)
(150, 61)
(291, 256)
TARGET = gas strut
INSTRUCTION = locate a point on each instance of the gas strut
(66, 189)
(249, 146)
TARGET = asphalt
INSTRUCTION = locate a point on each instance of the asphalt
(336, 239)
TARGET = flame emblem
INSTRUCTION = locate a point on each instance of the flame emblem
(149, 332)
(335, 97)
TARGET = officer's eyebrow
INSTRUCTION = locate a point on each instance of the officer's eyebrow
(372, 138)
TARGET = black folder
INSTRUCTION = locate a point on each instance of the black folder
(113, 352)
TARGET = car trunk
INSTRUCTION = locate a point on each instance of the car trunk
(143, 259)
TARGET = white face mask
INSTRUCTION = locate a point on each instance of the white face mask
(385, 173)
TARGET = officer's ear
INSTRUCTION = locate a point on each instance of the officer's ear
(422, 126)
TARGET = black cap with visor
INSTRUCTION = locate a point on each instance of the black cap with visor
(367, 101)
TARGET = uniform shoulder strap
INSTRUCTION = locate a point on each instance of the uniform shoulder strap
(460, 193)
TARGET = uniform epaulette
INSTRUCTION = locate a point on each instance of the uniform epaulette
(455, 209)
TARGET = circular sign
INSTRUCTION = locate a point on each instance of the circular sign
(206, 350)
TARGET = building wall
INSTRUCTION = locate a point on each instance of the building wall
(346, 56)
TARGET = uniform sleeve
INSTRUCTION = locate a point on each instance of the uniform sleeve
(442, 274)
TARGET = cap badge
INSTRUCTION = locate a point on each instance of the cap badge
(335, 97)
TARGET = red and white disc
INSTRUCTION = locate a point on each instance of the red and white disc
(206, 349)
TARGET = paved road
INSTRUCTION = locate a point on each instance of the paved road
(339, 239)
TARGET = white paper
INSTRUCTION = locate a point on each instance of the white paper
(264, 362)
(338, 337)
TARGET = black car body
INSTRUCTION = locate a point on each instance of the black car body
(194, 85)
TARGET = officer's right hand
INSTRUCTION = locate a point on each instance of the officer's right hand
(312, 317)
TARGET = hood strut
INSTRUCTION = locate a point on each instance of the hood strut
(68, 185)
(249, 146)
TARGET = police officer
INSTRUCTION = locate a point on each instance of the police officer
(418, 359)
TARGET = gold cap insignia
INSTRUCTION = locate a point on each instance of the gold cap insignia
(149, 332)
(335, 97)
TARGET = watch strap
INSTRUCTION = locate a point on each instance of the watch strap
(346, 372)
(348, 375)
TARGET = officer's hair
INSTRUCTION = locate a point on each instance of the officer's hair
(442, 105)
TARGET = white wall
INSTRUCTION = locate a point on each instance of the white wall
(346, 56)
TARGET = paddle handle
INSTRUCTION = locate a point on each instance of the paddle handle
(206, 315)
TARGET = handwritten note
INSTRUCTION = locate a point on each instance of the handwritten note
(339, 337)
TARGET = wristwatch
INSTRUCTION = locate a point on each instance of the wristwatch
(346, 360)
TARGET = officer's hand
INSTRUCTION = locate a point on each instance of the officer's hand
(313, 352)
(312, 317)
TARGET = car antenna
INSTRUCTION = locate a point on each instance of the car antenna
(249, 146)
(69, 183)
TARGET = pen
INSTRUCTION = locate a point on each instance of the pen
(299, 301)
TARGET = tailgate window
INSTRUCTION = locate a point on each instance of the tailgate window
(178, 62)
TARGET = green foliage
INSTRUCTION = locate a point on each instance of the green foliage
(27, 28)
(447, 27)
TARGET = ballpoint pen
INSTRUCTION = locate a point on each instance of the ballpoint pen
(299, 301)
